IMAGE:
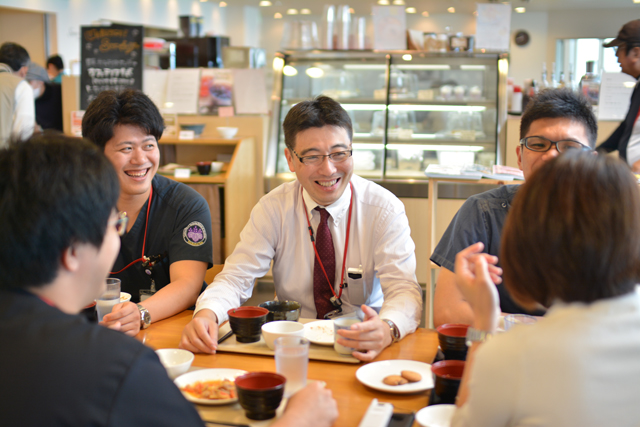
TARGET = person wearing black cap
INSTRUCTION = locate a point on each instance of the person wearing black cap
(626, 138)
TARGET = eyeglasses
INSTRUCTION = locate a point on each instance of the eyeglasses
(541, 144)
(121, 223)
(337, 157)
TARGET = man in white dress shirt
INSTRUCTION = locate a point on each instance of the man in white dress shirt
(363, 219)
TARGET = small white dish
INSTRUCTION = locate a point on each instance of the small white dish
(281, 328)
(175, 360)
(372, 375)
(216, 167)
(125, 297)
(207, 375)
(227, 132)
(319, 332)
(436, 415)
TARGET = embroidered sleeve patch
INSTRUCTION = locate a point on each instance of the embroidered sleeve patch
(195, 234)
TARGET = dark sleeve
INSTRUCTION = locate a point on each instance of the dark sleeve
(467, 227)
(147, 397)
(611, 144)
(191, 239)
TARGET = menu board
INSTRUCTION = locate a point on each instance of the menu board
(111, 59)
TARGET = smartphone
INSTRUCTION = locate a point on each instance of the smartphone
(399, 419)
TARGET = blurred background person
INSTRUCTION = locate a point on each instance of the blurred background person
(571, 243)
(48, 98)
(17, 109)
(55, 68)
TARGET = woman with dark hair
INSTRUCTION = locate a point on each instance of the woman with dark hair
(571, 243)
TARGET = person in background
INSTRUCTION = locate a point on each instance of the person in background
(17, 109)
(48, 98)
(316, 228)
(626, 138)
(570, 243)
(555, 121)
(55, 68)
(58, 246)
(166, 249)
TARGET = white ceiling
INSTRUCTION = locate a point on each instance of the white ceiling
(363, 7)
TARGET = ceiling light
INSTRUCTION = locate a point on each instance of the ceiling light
(305, 11)
(265, 3)
(451, 9)
(407, 57)
(202, 1)
(351, 11)
(383, 2)
(292, 11)
(425, 14)
(277, 15)
(520, 9)
(278, 63)
(290, 71)
(398, 2)
(411, 10)
(314, 72)
(223, 4)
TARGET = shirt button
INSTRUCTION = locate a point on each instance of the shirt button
(504, 205)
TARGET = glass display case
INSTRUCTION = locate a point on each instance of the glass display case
(409, 109)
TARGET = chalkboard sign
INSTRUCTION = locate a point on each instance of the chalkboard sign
(111, 60)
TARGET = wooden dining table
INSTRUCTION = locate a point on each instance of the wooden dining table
(353, 398)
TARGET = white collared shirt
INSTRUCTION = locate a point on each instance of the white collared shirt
(380, 242)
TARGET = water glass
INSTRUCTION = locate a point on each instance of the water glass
(510, 320)
(343, 323)
(109, 298)
(292, 360)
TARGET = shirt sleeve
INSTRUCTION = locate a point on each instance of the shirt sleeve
(395, 264)
(250, 259)
(147, 397)
(24, 118)
(191, 239)
(467, 227)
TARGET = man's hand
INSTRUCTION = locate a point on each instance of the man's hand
(201, 334)
(475, 276)
(370, 336)
(313, 406)
(125, 317)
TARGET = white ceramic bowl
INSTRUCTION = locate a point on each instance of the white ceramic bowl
(216, 167)
(125, 297)
(436, 415)
(281, 328)
(175, 360)
(227, 132)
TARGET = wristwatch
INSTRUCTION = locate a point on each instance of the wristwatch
(474, 335)
(145, 317)
(395, 333)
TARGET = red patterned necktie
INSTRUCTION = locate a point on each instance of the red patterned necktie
(324, 245)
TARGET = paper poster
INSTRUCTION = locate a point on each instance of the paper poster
(154, 84)
(76, 122)
(250, 91)
(182, 91)
(389, 27)
(216, 89)
(493, 27)
(615, 96)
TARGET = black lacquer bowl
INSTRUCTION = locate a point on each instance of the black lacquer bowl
(260, 394)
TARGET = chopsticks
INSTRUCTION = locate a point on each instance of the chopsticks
(224, 337)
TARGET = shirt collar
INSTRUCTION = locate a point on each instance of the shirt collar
(337, 209)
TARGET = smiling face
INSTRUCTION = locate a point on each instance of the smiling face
(557, 129)
(326, 182)
(135, 157)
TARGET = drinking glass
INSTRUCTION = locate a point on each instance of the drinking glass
(110, 297)
(292, 360)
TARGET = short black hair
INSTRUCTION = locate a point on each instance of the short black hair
(111, 108)
(560, 104)
(56, 60)
(315, 113)
(55, 190)
(14, 55)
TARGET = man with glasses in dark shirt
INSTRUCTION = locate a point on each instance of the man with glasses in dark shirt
(337, 241)
(556, 121)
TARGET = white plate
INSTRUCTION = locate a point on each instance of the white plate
(436, 415)
(319, 332)
(372, 375)
(207, 375)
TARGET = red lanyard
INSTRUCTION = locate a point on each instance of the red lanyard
(346, 246)
(144, 241)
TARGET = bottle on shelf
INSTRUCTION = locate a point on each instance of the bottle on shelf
(561, 82)
(544, 83)
(590, 84)
(554, 80)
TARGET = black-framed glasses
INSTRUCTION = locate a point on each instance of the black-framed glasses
(121, 223)
(541, 144)
(315, 160)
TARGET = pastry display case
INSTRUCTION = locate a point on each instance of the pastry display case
(409, 109)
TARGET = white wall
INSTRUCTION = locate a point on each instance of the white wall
(525, 62)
